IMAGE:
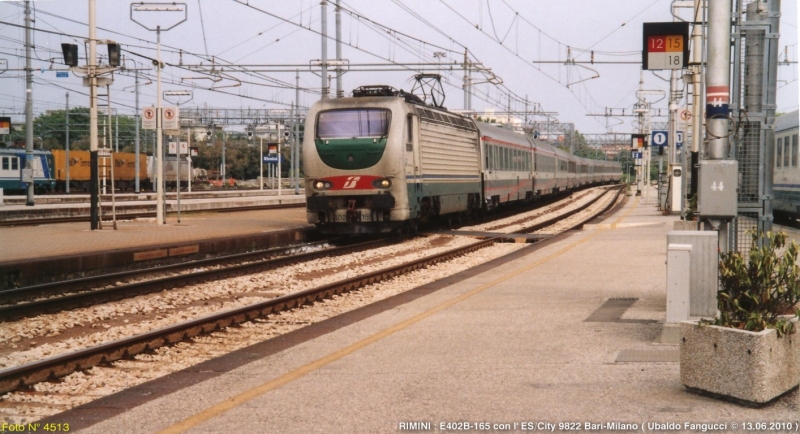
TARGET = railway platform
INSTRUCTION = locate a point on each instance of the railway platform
(563, 335)
(37, 254)
(14, 207)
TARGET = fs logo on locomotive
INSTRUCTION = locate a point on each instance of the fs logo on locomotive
(351, 181)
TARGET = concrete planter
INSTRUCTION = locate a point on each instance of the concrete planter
(748, 367)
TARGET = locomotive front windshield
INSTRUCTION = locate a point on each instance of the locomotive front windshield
(353, 123)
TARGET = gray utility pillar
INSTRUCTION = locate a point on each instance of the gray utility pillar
(679, 278)
(718, 178)
(702, 273)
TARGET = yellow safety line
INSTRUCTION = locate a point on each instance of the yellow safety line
(255, 392)
(636, 202)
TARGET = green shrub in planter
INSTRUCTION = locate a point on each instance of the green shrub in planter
(757, 292)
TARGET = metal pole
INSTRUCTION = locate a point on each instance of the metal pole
(466, 82)
(160, 197)
(113, 197)
(116, 132)
(189, 157)
(718, 96)
(136, 139)
(718, 78)
(324, 33)
(339, 90)
(261, 165)
(28, 103)
(110, 141)
(296, 136)
(178, 182)
(697, 92)
(640, 175)
(66, 147)
(222, 170)
(771, 91)
(93, 157)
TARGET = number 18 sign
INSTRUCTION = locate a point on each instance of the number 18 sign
(665, 45)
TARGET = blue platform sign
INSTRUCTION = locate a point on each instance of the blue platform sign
(272, 159)
(62, 74)
(658, 138)
(679, 139)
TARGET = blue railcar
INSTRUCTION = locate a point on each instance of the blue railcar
(13, 161)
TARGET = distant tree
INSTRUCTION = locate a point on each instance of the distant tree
(51, 127)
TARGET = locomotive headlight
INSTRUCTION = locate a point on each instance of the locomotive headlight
(382, 183)
(322, 185)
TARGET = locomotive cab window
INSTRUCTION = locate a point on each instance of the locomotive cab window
(410, 132)
(353, 123)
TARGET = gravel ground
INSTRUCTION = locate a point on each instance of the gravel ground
(81, 387)
(50, 335)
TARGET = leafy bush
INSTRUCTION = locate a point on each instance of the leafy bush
(757, 293)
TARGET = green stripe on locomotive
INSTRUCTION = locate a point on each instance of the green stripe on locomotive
(352, 153)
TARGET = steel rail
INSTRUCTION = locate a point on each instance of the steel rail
(52, 368)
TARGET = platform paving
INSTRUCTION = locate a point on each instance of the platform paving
(63, 206)
(518, 344)
(30, 242)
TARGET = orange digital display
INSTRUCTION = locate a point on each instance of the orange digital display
(665, 45)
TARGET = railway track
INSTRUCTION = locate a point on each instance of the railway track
(72, 294)
(131, 216)
(26, 375)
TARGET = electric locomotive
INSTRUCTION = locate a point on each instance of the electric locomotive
(382, 161)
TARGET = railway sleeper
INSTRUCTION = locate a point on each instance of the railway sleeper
(174, 338)
(155, 343)
(85, 363)
(134, 349)
(36, 377)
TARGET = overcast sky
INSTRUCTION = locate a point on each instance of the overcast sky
(505, 36)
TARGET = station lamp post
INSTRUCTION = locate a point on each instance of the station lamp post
(92, 78)
(159, 7)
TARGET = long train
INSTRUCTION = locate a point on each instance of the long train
(383, 161)
(50, 174)
(786, 179)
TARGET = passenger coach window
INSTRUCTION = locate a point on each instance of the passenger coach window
(794, 150)
(787, 151)
(779, 152)
(5, 163)
(14, 165)
(340, 124)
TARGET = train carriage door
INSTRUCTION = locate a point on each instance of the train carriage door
(412, 159)
(37, 166)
